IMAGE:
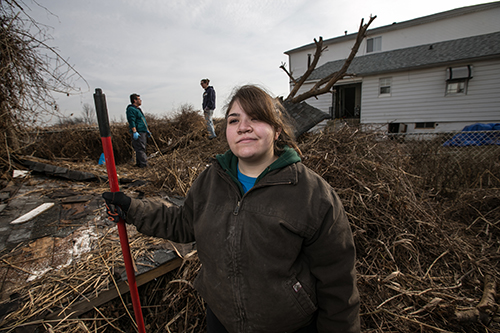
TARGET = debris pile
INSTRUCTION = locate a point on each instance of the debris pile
(423, 255)
(427, 256)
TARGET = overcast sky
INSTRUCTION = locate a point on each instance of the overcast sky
(161, 49)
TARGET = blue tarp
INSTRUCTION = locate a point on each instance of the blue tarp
(479, 136)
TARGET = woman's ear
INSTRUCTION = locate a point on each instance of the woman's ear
(277, 134)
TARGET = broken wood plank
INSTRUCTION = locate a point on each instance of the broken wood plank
(57, 171)
(35, 212)
(88, 304)
(76, 198)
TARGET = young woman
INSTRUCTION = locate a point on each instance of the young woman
(275, 245)
(208, 106)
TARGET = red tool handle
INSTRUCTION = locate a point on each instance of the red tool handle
(103, 121)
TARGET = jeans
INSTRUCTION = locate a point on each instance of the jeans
(139, 146)
(210, 124)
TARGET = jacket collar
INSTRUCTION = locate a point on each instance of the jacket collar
(286, 161)
(135, 107)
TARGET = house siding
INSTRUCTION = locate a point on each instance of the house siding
(419, 96)
(323, 102)
(471, 24)
(402, 35)
(415, 54)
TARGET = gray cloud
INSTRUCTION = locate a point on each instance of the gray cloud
(161, 49)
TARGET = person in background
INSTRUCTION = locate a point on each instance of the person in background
(272, 236)
(208, 106)
(138, 128)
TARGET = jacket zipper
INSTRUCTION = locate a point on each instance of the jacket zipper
(238, 205)
(237, 208)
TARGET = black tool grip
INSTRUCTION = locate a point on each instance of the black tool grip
(102, 113)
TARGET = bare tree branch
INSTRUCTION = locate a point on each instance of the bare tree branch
(88, 114)
(30, 71)
(324, 85)
(283, 67)
(317, 55)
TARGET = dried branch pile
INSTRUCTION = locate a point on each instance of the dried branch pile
(428, 260)
(421, 257)
(170, 296)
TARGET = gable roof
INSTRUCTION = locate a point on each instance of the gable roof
(422, 56)
(405, 24)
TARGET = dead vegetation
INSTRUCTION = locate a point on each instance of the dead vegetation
(30, 72)
(427, 255)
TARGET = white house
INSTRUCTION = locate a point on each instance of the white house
(435, 73)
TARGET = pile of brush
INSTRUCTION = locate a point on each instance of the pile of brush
(427, 256)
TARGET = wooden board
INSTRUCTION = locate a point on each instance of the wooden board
(88, 304)
(31, 214)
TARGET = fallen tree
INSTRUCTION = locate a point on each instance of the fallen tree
(324, 85)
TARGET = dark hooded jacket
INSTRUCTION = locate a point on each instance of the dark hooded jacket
(209, 99)
(273, 259)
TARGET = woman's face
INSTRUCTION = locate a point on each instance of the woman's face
(251, 140)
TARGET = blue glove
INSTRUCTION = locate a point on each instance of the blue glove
(136, 135)
(149, 134)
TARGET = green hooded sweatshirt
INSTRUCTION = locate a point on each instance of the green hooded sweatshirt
(229, 162)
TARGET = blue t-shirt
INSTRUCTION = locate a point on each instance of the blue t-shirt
(246, 182)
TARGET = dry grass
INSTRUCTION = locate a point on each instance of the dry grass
(423, 253)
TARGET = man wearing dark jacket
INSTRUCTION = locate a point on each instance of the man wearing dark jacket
(138, 128)
(208, 106)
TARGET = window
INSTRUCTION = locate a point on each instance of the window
(457, 79)
(385, 86)
(373, 44)
(456, 87)
(397, 128)
(425, 125)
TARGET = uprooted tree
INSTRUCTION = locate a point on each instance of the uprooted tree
(30, 71)
(324, 85)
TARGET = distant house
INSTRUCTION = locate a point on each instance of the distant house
(435, 73)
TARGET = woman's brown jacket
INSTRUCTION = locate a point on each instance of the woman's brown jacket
(273, 259)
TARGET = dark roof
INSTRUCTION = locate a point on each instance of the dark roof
(422, 56)
(405, 24)
(304, 115)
